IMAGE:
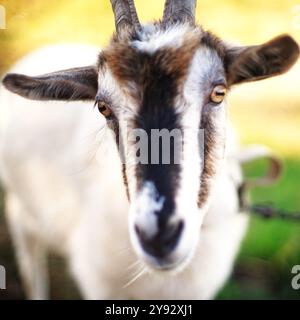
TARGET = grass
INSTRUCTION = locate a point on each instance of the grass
(265, 112)
(271, 247)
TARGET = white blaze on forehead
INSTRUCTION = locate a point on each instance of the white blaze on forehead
(203, 69)
(153, 39)
(145, 206)
(206, 68)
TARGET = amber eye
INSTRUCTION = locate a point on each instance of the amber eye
(218, 94)
(104, 109)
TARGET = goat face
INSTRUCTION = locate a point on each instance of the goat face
(164, 87)
(168, 79)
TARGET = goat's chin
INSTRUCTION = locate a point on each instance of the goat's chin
(176, 267)
(171, 265)
(167, 269)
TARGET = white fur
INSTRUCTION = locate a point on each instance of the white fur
(153, 39)
(145, 205)
(61, 197)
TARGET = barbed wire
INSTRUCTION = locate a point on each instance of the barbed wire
(268, 211)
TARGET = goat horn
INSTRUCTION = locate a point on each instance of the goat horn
(125, 14)
(179, 11)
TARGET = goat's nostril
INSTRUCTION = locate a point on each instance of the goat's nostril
(164, 242)
(137, 230)
(142, 235)
(172, 233)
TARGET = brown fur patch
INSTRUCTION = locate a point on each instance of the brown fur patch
(125, 180)
(215, 43)
(128, 64)
(209, 169)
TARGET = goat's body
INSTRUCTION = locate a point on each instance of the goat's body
(62, 195)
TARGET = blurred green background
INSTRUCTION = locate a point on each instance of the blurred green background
(266, 112)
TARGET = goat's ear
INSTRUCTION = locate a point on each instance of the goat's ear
(71, 84)
(253, 63)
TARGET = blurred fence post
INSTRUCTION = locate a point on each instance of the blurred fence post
(2, 17)
(2, 278)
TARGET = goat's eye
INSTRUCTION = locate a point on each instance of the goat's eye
(218, 94)
(104, 109)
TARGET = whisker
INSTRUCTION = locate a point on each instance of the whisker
(93, 149)
(135, 278)
(122, 250)
(134, 264)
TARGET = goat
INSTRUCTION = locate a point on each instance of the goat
(72, 181)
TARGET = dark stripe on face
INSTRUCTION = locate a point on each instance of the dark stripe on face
(114, 126)
(125, 180)
(157, 111)
(209, 169)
